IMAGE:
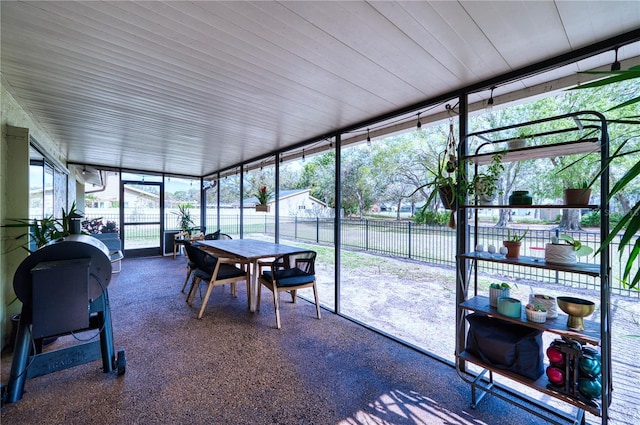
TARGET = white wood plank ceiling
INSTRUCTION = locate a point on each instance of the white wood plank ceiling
(194, 87)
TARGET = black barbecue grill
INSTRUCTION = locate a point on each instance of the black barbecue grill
(63, 289)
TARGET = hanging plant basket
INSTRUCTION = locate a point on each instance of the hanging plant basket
(447, 197)
(262, 208)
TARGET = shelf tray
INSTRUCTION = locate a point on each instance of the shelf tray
(537, 207)
(540, 263)
(539, 384)
(538, 152)
(591, 334)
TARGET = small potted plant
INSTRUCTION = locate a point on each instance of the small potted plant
(485, 185)
(513, 243)
(518, 142)
(578, 194)
(564, 249)
(263, 196)
(497, 290)
(536, 313)
(546, 301)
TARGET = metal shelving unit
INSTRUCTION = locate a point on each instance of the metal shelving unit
(581, 141)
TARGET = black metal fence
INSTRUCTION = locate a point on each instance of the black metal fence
(437, 244)
(428, 243)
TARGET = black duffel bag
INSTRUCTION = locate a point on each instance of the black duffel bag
(506, 345)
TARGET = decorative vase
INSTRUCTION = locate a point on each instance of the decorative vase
(262, 208)
(520, 197)
(577, 196)
(513, 249)
(495, 293)
(560, 254)
(509, 307)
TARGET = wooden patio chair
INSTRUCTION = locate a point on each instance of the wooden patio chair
(288, 273)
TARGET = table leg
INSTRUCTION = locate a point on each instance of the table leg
(253, 297)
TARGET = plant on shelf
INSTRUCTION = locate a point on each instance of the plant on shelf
(577, 193)
(536, 307)
(485, 185)
(516, 236)
(497, 290)
(185, 222)
(536, 313)
(564, 249)
(577, 246)
(513, 243)
(518, 142)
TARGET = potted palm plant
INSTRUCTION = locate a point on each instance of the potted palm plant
(185, 222)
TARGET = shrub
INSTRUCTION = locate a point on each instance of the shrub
(96, 226)
(592, 219)
(431, 217)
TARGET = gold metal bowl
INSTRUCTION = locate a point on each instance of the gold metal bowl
(577, 309)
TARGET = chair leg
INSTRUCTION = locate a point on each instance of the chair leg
(192, 291)
(294, 296)
(259, 294)
(206, 299)
(276, 306)
(315, 296)
(187, 279)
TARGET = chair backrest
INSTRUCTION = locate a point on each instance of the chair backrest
(216, 236)
(304, 260)
(197, 257)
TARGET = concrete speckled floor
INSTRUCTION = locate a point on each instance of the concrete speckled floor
(235, 367)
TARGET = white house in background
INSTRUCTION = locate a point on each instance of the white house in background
(295, 202)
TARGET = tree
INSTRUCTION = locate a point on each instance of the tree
(396, 171)
(318, 175)
(358, 187)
